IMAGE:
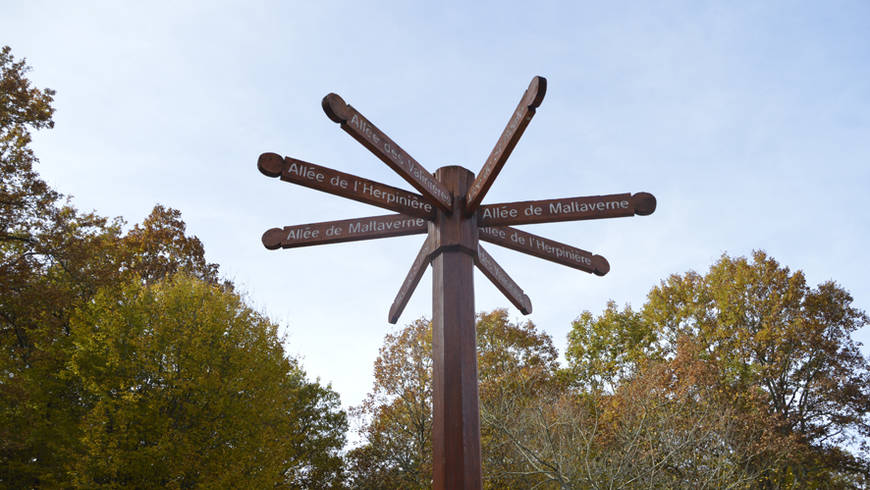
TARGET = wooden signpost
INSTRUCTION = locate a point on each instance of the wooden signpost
(448, 209)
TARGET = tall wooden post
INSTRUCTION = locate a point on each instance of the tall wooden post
(450, 207)
(455, 415)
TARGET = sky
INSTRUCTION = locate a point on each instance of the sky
(749, 122)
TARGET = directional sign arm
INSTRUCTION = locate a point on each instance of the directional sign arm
(347, 230)
(545, 248)
(567, 209)
(506, 142)
(424, 257)
(502, 281)
(345, 185)
(356, 125)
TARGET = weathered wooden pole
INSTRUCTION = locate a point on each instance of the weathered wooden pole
(455, 415)
(449, 207)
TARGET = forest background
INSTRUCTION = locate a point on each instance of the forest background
(819, 156)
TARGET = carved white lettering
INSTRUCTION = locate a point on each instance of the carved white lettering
(305, 172)
(502, 212)
(302, 234)
(493, 232)
(564, 207)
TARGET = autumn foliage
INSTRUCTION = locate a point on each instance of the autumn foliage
(741, 378)
(125, 360)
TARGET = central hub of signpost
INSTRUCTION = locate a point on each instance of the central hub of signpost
(455, 414)
(449, 210)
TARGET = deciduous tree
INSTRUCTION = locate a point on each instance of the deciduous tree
(160, 247)
(23, 196)
(606, 349)
(396, 417)
(66, 278)
(187, 386)
(767, 333)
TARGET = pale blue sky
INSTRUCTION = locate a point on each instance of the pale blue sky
(749, 121)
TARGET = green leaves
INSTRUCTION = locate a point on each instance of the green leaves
(605, 350)
(159, 248)
(124, 359)
(515, 362)
(187, 385)
(767, 336)
(743, 377)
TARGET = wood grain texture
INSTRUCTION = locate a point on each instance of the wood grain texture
(418, 268)
(545, 248)
(346, 230)
(455, 230)
(455, 413)
(522, 115)
(362, 130)
(512, 291)
(566, 209)
(345, 185)
(449, 209)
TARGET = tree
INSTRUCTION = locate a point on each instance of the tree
(518, 369)
(761, 326)
(160, 248)
(669, 424)
(674, 424)
(37, 407)
(603, 351)
(396, 417)
(23, 196)
(61, 269)
(187, 386)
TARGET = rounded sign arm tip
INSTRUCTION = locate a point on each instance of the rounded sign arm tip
(270, 164)
(644, 203)
(601, 265)
(527, 305)
(272, 238)
(335, 108)
(536, 91)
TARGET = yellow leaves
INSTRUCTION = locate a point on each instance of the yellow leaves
(192, 386)
(516, 363)
(748, 340)
(182, 366)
